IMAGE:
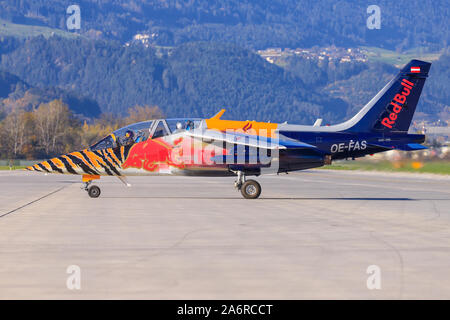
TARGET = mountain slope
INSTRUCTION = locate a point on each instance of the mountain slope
(250, 23)
(16, 93)
(197, 79)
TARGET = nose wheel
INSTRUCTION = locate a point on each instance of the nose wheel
(250, 189)
(93, 191)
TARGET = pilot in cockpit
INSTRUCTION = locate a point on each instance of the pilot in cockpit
(128, 138)
(189, 125)
(179, 127)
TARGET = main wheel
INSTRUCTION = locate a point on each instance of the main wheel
(251, 189)
(94, 191)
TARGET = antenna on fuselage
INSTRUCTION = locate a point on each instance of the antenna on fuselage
(318, 123)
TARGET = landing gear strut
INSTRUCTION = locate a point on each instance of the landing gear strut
(93, 191)
(250, 189)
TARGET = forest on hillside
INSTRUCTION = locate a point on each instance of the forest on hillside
(16, 93)
(356, 83)
(249, 23)
(197, 79)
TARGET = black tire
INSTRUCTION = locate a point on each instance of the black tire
(94, 191)
(251, 189)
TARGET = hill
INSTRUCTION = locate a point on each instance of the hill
(15, 92)
(196, 79)
(25, 31)
(356, 83)
(249, 23)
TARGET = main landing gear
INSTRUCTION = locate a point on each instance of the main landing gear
(250, 189)
(93, 191)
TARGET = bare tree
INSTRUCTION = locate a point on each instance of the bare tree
(52, 122)
(13, 132)
(142, 113)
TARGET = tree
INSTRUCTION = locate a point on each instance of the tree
(143, 113)
(52, 121)
(13, 133)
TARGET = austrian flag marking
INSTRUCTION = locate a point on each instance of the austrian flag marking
(415, 69)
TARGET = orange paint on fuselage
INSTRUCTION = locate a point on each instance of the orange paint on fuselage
(89, 177)
(47, 165)
(78, 155)
(58, 163)
(113, 156)
(266, 129)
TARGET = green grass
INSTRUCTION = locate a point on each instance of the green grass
(437, 167)
(398, 59)
(14, 167)
(25, 31)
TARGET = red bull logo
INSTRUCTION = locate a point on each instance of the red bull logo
(397, 104)
(247, 126)
(151, 155)
(157, 155)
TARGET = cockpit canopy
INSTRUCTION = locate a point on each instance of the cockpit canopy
(141, 131)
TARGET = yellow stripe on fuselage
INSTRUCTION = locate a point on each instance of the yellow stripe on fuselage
(80, 156)
(47, 165)
(58, 163)
(73, 165)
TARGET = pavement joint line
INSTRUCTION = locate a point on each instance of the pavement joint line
(31, 202)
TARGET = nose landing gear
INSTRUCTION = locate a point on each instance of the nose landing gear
(250, 189)
(93, 191)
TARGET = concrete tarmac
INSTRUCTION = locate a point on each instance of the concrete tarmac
(311, 235)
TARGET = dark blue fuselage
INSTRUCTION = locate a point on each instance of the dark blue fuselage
(341, 145)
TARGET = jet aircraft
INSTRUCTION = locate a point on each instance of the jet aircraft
(217, 147)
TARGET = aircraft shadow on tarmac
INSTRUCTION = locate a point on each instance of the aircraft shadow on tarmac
(272, 198)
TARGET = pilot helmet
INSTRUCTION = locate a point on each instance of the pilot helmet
(129, 133)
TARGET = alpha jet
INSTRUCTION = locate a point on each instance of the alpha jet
(217, 147)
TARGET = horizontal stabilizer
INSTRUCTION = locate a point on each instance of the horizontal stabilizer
(411, 147)
(403, 147)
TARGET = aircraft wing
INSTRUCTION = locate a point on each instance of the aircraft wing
(248, 140)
